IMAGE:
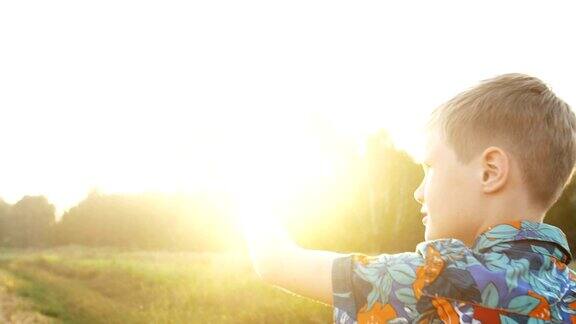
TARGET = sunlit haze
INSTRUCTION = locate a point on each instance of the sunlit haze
(134, 96)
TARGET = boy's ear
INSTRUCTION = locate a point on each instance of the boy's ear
(495, 168)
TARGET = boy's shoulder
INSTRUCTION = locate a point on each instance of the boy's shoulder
(513, 270)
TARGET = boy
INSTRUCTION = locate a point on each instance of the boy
(498, 157)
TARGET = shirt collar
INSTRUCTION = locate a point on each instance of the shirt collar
(519, 230)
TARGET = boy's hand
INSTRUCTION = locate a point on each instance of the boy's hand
(280, 261)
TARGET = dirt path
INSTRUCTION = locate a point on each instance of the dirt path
(14, 309)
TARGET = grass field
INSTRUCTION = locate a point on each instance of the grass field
(80, 285)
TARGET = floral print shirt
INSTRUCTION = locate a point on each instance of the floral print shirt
(515, 272)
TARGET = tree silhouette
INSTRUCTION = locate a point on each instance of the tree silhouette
(28, 221)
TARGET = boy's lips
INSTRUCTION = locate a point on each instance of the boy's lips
(424, 218)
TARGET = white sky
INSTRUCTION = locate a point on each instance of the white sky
(131, 96)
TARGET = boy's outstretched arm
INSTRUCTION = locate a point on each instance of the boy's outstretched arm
(281, 262)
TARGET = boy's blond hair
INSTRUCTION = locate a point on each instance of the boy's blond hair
(522, 115)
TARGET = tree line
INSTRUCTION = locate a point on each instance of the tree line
(374, 213)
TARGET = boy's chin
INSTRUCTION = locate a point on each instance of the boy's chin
(430, 233)
(427, 234)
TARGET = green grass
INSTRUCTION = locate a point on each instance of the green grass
(82, 285)
(79, 285)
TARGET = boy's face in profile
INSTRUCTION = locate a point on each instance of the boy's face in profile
(450, 193)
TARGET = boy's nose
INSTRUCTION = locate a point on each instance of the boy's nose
(419, 194)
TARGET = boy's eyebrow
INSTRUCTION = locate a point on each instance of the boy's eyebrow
(426, 159)
(423, 160)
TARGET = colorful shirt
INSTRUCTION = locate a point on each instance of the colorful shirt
(514, 273)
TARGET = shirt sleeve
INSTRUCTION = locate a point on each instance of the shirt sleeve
(376, 289)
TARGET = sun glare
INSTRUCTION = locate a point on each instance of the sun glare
(265, 105)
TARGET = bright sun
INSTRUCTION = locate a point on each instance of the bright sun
(222, 98)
